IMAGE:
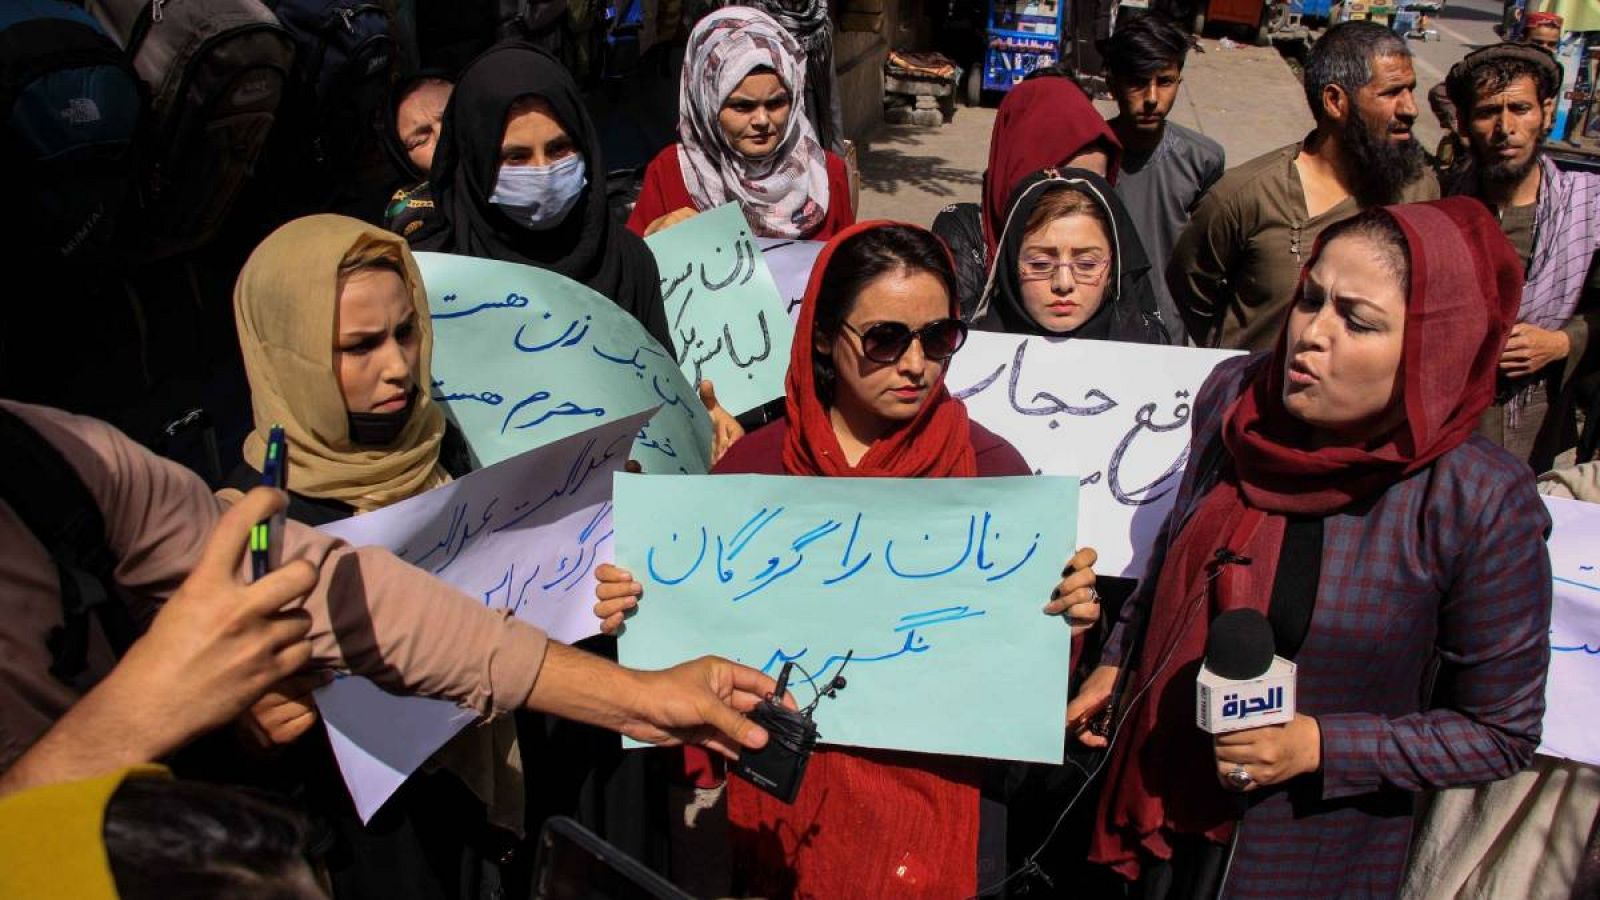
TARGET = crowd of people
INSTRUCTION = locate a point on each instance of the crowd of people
(1367, 478)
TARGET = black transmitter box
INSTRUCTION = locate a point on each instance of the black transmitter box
(778, 767)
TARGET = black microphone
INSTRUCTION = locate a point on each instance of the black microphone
(1243, 683)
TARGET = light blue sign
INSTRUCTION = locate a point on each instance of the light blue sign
(933, 587)
(727, 317)
(523, 357)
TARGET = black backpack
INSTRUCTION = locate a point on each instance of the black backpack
(45, 492)
(345, 51)
(72, 107)
(215, 71)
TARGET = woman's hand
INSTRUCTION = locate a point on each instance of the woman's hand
(1075, 595)
(286, 712)
(1271, 754)
(1093, 698)
(681, 214)
(725, 429)
(618, 594)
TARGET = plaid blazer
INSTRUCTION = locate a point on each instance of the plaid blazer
(1424, 664)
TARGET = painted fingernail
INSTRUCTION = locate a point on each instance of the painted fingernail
(1068, 570)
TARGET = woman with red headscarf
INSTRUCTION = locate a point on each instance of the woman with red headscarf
(1045, 122)
(866, 398)
(1337, 488)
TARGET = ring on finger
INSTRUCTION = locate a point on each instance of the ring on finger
(1240, 779)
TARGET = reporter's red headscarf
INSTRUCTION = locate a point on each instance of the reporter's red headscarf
(1042, 123)
(936, 443)
(1465, 287)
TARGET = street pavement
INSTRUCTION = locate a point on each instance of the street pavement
(1249, 99)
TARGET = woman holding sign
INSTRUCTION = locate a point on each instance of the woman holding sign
(866, 398)
(743, 137)
(517, 176)
(1337, 489)
(1070, 264)
(333, 326)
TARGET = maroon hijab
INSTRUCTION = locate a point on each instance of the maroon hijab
(1042, 123)
(1465, 286)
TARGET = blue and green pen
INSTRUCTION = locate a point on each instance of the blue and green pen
(266, 537)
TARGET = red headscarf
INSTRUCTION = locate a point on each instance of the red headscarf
(1042, 122)
(1540, 20)
(1466, 284)
(936, 443)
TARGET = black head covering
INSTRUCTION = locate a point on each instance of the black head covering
(393, 146)
(1128, 312)
(588, 246)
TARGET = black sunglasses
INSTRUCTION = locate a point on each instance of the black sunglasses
(886, 342)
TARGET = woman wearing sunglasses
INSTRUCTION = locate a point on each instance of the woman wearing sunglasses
(866, 397)
(1070, 264)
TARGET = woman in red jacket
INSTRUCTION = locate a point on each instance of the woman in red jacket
(866, 398)
(743, 137)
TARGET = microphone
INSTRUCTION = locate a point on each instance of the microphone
(1243, 683)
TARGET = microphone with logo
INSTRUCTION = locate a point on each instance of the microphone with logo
(1243, 684)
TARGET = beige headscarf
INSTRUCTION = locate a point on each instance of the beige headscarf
(285, 303)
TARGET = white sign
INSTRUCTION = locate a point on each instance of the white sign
(790, 263)
(1574, 684)
(524, 534)
(1115, 415)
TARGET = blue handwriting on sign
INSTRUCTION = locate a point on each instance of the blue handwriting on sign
(465, 523)
(832, 540)
(511, 592)
(564, 339)
(1576, 648)
(512, 301)
(912, 643)
(486, 397)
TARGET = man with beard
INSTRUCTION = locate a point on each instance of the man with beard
(1234, 271)
(1507, 94)
(1541, 29)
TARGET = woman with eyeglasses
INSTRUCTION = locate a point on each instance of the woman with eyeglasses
(866, 398)
(744, 137)
(1069, 264)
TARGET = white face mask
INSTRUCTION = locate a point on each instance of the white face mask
(539, 197)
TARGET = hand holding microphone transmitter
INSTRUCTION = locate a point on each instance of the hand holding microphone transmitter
(778, 767)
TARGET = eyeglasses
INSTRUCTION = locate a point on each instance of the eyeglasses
(886, 342)
(1085, 270)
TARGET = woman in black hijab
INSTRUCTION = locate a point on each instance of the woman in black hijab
(541, 206)
(1070, 264)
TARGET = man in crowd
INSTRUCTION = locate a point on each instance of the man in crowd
(1234, 270)
(214, 644)
(1542, 29)
(1506, 96)
(1539, 29)
(1166, 168)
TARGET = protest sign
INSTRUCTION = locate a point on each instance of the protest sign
(935, 586)
(1574, 682)
(524, 535)
(791, 263)
(522, 357)
(1115, 415)
(727, 319)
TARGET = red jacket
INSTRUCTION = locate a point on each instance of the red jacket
(867, 823)
(665, 192)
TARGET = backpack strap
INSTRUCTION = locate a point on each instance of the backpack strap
(40, 486)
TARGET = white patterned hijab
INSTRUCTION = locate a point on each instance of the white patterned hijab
(783, 194)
